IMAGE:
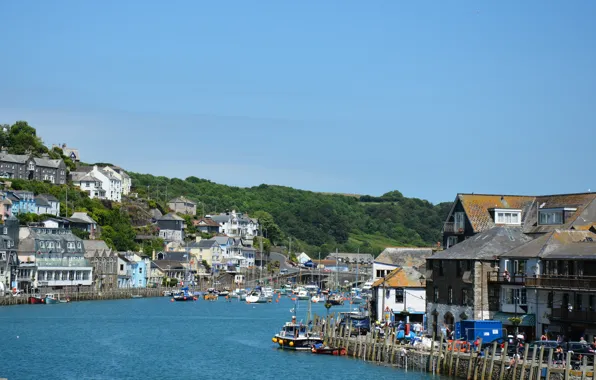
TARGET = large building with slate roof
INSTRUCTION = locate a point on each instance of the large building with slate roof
(29, 167)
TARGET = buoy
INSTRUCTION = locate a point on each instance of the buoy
(280, 341)
(277, 300)
(194, 298)
(274, 340)
(293, 299)
(291, 344)
(172, 300)
(185, 298)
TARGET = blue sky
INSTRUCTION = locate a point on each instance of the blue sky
(429, 97)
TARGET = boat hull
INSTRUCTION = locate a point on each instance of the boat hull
(184, 298)
(341, 351)
(51, 301)
(255, 299)
(298, 344)
(36, 300)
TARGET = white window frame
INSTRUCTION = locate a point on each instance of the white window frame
(507, 216)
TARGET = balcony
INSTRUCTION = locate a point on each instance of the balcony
(583, 283)
(500, 279)
(69, 263)
(453, 228)
(582, 316)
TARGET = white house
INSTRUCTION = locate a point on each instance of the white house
(89, 183)
(126, 182)
(236, 224)
(401, 296)
(303, 258)
(47, 204)
(99, 182)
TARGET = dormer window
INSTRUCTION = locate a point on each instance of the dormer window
(553, 216)
(508, 216)
(31, 166)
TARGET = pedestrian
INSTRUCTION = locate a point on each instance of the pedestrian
(543, 337)
(477, 344)
(582, 340)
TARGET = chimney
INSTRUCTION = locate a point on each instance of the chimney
(4, 150)
(198, 239)
(63, 146)
(153, 255)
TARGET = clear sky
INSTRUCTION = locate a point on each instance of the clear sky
(427, 97)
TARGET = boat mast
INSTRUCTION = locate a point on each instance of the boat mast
(357, 259)
(261, 248)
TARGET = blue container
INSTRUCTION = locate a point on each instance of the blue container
(487, 330)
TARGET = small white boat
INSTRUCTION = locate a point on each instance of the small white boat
(136, 296)
(240, 294)
(315, 299)
(256, 297)
(167, 293)
(268, 293)
(303, 295)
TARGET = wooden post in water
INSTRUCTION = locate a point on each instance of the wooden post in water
(531, 375)
(471, 362)
(523, 368)
(486, 351)
(503, 360)
(540, 358)
(549, 363)
(492, 361)
(439, 359)
(567, 365)
(452, 352)
(430, 357)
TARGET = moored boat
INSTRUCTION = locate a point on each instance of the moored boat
(256, 296)
(326, 350)
(50, 299)
(335, 299)
(183, 295)
(303, 295)
(315, 299)
(36, 300)
(294, 336)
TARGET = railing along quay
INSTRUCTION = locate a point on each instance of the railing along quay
(535, 363)
(110, 294)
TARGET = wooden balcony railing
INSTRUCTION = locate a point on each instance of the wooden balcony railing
(500, 278)
(573, 315)
(585, 283)
(451, 227)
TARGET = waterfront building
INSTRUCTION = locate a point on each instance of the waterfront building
(138, 266)
(400, 296)
(52, 259)
(484, 233)
(47, 204)
(9, 260)
(183, 205)
(206, 249)
(172, 269)
(171, 228)
(156, 275)
(399, 257)
(29, 167)
(105, 263)
(23, 202)
(124, 272)
(236, 224)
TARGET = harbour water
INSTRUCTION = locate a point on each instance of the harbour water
(153, 338)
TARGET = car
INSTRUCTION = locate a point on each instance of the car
(578, 350)
(512, 343)
(544, 343)
(283, 271)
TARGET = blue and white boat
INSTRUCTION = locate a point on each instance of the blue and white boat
(183, 295)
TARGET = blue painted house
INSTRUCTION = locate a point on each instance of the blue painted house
(139, 274)
(132, 270)
(22, 202)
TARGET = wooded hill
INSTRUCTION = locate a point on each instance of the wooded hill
(320, 222)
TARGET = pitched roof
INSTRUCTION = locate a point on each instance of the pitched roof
(222, 239)
(402, 277)
(171, 216)
(174, 255)
(47, 162)
(182, 199)
(205, 243)
(559, 245)
(16, 158)
(95, 245)
(41, 201)
(404, 256)
(477, 207)
(205, 222)
(585, 213)
(123, 258)
(173, 264)
(82, 216)
(49, 197)
(486, 245)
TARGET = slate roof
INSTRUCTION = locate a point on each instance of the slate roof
(404, 256)
(123, 258)
(81, 217)
(49, 197)
(402, 277)
(95, 245)
(222, 239)
(585, 213)
(558, 245)
(16, 158)
(205, 243)
(486, 245)
(163, 264)
(47, 162)
(206, 222)
(41, 201)
(171, 216)
(182, 200)
(174, 256)
(83, 177)
(477, 207)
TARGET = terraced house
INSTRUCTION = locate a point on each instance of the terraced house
(29, 167)
(504, 252)
(9, 261)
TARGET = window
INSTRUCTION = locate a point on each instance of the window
(550, 217)
(50, 244)
(399, 295)
(578, 301)
(140, 270)
(459, 221)
(79, 245)
(441, 264)
(42, 244)
(549, 302)
(508, 217)
(451, 241)
(450, 296)
(461, 267)
(121, 266)
(565, 302)
(436, 294)
(5, 231)
(464, 297)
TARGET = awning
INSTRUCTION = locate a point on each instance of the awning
(527, 319)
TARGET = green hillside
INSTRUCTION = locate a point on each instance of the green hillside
(320, 222)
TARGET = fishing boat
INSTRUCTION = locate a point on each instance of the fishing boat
(303, 295)
(326, 350)
(240, 294)
(210, 295)
(256, 296)
(36, 300)
(167, 293)
(50, 299)
(296, 336)
(183, 295)
(335, 299)
(355, 296)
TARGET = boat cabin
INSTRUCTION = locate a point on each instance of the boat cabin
(293, 330)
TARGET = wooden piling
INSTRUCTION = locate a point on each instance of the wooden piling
(567, 365)
(531, 375)
(451, 353)
(549, 363)
(486, 351)
(503, 360)
(523, 368)
(540, 359)
(430, 357)
(492, 360)
(440, 358)
(584, 367)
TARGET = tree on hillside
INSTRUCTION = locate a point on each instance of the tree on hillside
(270, 229)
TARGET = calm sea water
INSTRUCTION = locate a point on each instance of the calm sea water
(153, 338)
